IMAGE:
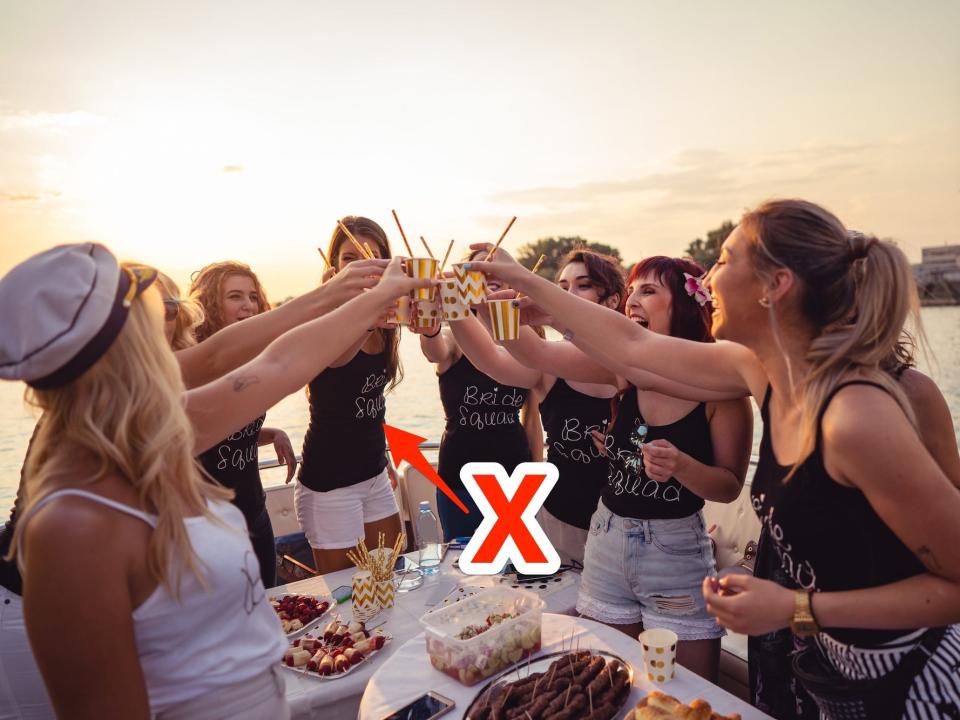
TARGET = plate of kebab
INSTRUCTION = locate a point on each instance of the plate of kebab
(337, 652)
(586, 685)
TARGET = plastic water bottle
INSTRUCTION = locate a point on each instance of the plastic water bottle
(428, 531)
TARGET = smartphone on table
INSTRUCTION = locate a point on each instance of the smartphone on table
(342, 594)
(428, 706)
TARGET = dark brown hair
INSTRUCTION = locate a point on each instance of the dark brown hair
(366, 229)
(604, 271)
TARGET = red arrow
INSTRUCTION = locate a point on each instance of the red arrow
(406, 446)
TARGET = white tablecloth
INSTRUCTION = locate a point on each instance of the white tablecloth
(310, 697)
(407, 673)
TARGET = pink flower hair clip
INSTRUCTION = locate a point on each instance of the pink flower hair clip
(696, 290)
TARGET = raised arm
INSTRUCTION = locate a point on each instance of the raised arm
(713, 366)
(290, 361)
(236, 344)
(490, 358)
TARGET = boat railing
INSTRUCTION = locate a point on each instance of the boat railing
(429, 445)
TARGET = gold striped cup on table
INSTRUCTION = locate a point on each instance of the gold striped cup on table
(471, 284)
(423, 268)
(504, 319)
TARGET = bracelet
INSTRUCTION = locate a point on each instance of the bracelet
(432, 336)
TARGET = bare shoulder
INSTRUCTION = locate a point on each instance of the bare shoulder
(84, 528)
(920, 389)
(857, 411)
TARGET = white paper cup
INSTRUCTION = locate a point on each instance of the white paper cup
(365, 601)
(659, 653)
(504, 319)
(428, 314)
(471, 284)
(423, 268)
(401, 311)
(452, 303)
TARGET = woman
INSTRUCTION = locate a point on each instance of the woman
(118, 530)
(774, 688)
(482, 422)
(230, 292)
(863, 518)
(22, 692)
(648, 549)
(180, 316)
(344, 490)
(569, 410)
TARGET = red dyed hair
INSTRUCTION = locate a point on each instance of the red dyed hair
(688, 318)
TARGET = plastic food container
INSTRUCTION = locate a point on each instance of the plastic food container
(471, 659)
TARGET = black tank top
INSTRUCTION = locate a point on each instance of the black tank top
(482, 422)
(234, 463)
(344, 444)
(827, 535)
(568, 417)
(629, 492)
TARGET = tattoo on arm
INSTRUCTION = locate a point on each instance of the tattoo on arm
(928, 558)
(244, 381)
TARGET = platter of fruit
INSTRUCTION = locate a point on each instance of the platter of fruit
(299, 613)
(335, 652)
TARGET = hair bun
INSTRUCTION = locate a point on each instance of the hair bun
(859, 244)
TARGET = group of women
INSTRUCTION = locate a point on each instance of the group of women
(645, 404)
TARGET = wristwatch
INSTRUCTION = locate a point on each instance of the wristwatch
(803, 623)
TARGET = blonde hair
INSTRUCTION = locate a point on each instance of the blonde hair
(189, 314)
(126, 414)
(857, 291)
(206, 289)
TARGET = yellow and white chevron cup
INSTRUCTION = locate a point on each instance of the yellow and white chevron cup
(471, 284)
(401, 312)
(505, 319)
(365, 602)
(384, 591)
(451, 301)
(423, 268)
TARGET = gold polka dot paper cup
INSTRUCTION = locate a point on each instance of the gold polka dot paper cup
(401, 312)
(659, 653)
(471, 284)
(423, 268)
(428, 314)
(451, 301)
(504, 319)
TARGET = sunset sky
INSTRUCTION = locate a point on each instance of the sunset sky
(184, 132)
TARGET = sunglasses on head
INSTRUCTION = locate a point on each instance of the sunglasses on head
(171, 308)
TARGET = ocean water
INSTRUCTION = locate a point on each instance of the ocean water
(415, 404)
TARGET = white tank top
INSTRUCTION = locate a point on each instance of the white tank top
(209, 639)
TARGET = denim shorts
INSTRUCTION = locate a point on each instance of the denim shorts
(648, 571)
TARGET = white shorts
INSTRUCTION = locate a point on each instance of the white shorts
(334, 520)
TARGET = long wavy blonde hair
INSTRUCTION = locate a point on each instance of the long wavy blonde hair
(126, 414)
(189, 314)
(857, 291)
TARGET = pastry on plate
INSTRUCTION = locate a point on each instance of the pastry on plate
(660, 706)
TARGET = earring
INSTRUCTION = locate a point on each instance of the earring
(764, 302)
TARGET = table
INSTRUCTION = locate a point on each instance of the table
(407, 673)
(335, 699)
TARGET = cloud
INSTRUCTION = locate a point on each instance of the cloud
(234, 168)
(28, 196)
(24, 120)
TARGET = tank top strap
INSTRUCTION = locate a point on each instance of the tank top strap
(150, 520)
(826, 403)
